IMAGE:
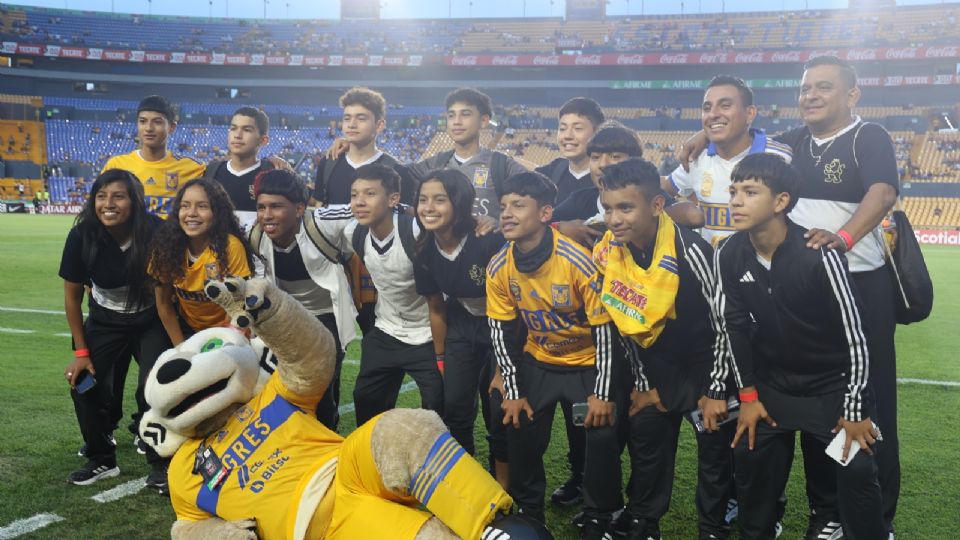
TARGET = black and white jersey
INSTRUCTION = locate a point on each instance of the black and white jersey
(239, 186)
(293, 278)
(796, 327)
(566, 180)
(461, 275)
(336, 189)
(836, 174)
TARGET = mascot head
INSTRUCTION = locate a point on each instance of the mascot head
(193, 387)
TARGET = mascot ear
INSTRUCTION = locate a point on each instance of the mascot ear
(162, 439)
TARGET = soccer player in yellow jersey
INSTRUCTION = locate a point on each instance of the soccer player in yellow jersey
(550, 283)
(160, 171)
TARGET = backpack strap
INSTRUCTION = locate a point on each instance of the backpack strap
(498, 167)
(323, 178)
(558, 170)
(330, 251)
(256, 237)
(440, 160)
(359, 240)
(212, 168)
(405, 232)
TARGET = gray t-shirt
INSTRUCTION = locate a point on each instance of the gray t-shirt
(478, 169)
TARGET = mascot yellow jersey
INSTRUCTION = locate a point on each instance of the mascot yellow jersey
(270, 449)
(161, 179)
(558, 302)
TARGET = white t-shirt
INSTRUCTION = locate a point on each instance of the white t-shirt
(709, 181)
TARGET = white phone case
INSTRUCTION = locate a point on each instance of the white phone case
(835, 448)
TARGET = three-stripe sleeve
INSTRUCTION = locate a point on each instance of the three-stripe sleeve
(705, 272)
(502, 334)
(839, 279)
(636, 364)
(734, 324)
(603, 341)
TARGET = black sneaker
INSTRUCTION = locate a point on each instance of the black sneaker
(141, 445)
(733, 510)
(641, 529)
(82, 452)
(569, 493)
(157, 479)
(823, 528)
(622, 522)
(593, 529)
(93, 471)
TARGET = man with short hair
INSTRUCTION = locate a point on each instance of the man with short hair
(160, 171)
(578, 120)
(468, 112)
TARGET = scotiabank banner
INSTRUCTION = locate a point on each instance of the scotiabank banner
(519, 60)
(938, 237)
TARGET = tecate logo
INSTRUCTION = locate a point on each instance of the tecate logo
(464, 61)
(941, 52)
(546, 60)
(713, 58)
(862, 54)
(505, 60)
(901, 53)
(790, 56)
(673, 59)
(589, 60)
(749, 58)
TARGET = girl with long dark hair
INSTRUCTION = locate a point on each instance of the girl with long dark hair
(200, 240)
(450, 272)
(107, 250)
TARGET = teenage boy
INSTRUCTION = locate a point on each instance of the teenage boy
(792, 318)
(549, 282)
(160, 171)
(578, 120)
(401, 341)
(726, 114)
(306, 265)
(658, 285)
(468, 112)
(248, 133)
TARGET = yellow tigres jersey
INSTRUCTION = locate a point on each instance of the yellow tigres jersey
(161, 179)
(195, 307)
(558, 303)
(272, 447)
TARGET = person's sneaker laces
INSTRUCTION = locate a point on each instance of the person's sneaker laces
(82, 452)
(823, 529)
(595, 530)
(569, 494)
(157, 479)
(93, 471)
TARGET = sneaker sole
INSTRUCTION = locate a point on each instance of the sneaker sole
(110, 473)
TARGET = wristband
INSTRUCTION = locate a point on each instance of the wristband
(555, 225)
(81, 353)
(440, 361)
(747, 397)
(847, 239)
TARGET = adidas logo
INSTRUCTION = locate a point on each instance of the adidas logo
(747, 278)
(831, 531)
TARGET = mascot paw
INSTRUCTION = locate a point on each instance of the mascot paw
(245, 301)
(243, 529)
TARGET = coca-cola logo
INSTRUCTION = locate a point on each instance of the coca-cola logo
(785, 57)
(72, 52)
(833, 52)
(941, 52)
(546, 60)
(29, 49)
(713, 58)
(631, 59)
(862, 54)
(510, 60)
(463, 61)
(276, 60)
(94, 54)
(115, 55)
(589, 60)
(749, 58)
(136, 56)
(901, 54)
(155, 57)
(671, 59)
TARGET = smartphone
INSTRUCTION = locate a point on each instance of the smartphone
(580, 413)
(85, 382)
(733, 411)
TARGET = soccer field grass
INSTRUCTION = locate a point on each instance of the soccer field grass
(39, 437)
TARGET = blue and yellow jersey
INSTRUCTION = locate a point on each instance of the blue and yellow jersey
(271, 445)
(161, 179)
(558, 303)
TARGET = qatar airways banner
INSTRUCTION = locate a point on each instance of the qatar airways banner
(938, 237)
(498, 60)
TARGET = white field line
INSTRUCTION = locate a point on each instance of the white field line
(21, 527)
(907, 380)
(121, 491)
(31, 310)
(5, 330)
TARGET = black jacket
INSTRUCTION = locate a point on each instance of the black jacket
(797, 327)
